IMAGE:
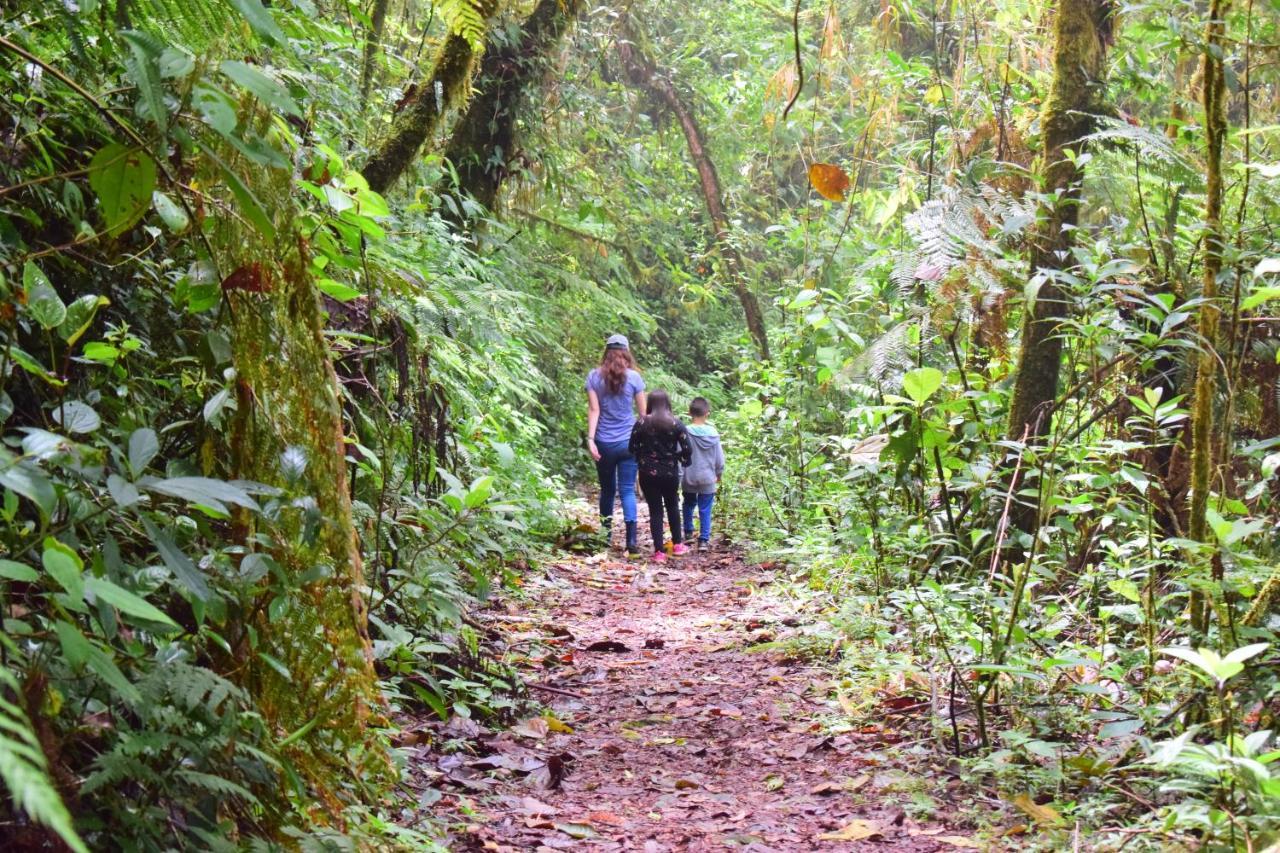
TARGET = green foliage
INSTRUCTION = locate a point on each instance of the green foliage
(25, 771)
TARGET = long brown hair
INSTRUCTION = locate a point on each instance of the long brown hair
(659, 408)
(614, 365)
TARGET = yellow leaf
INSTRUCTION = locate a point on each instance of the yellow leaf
(555, 724)
(855, 830)
(1043, 815)
(959, 841)
(829, 180)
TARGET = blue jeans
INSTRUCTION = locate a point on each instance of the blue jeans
(616, 469)
(704, 515)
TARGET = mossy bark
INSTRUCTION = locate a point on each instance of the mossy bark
(1202, 433)
(484, 138)
(641, 73)
(372, 46)
(449, 85)
(302, 647)
(1081, 29)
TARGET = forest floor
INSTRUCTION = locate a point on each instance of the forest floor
(673, 723)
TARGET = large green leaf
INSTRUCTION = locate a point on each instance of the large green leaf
(31, 483)
(76, 416)
(266, 89)
(260, 20)
(144, 444)
(82, 652)
(43, 302)
(123, 179)
(127, 602)
(201, 490)
(80, 316)
(188, 576)
(65, 567)
(921, 383)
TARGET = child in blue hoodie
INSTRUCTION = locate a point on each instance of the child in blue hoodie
(703, 472)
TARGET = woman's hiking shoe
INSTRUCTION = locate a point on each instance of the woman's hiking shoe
(633, 547)
(659, 556)
(679, 548)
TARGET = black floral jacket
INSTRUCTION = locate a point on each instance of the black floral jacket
(660, 449)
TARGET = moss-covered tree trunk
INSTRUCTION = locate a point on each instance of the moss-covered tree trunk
(1081, 36)
(641, 73)
(302, 648)
(448, 87)
(1202, 414)
(484, 138)
(372, 46)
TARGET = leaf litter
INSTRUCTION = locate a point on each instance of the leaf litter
(664, 733)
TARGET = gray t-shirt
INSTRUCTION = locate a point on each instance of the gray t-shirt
(616, 412)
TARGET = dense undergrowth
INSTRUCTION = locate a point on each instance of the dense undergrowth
(268, 434)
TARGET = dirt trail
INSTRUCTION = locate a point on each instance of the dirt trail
(681, 738)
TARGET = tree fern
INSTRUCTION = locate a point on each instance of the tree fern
(26, 772)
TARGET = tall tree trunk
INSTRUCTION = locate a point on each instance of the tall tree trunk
(1215, 131)
(372, 44)
(310, 669)
(485, 136)
(642, 74)
(1081, 35)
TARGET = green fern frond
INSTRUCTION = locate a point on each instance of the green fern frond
(196, 23)
(142, 63)
(891, 354)
(1154, 150)
(467, 18)
(25, 771)
(217, 785)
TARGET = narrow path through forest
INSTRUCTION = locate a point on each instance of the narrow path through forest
(683, 737)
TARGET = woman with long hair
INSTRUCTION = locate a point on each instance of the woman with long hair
(615, 395)
(661, 445)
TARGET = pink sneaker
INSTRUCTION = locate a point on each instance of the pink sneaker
(679, 549)
(659, 556)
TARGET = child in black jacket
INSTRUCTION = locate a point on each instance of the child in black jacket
(661, 445)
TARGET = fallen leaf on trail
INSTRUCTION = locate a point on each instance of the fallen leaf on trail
(606, 818)
(685, 784)
(530, 806)
(576, 830)
(959, 841)
(855, 830)
(773, 782)
(826, 788)
(557, 725)
(829, 180)
(534, 727)
(725, 711)
(607, 646)
(655, 643)
(1043, 815)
